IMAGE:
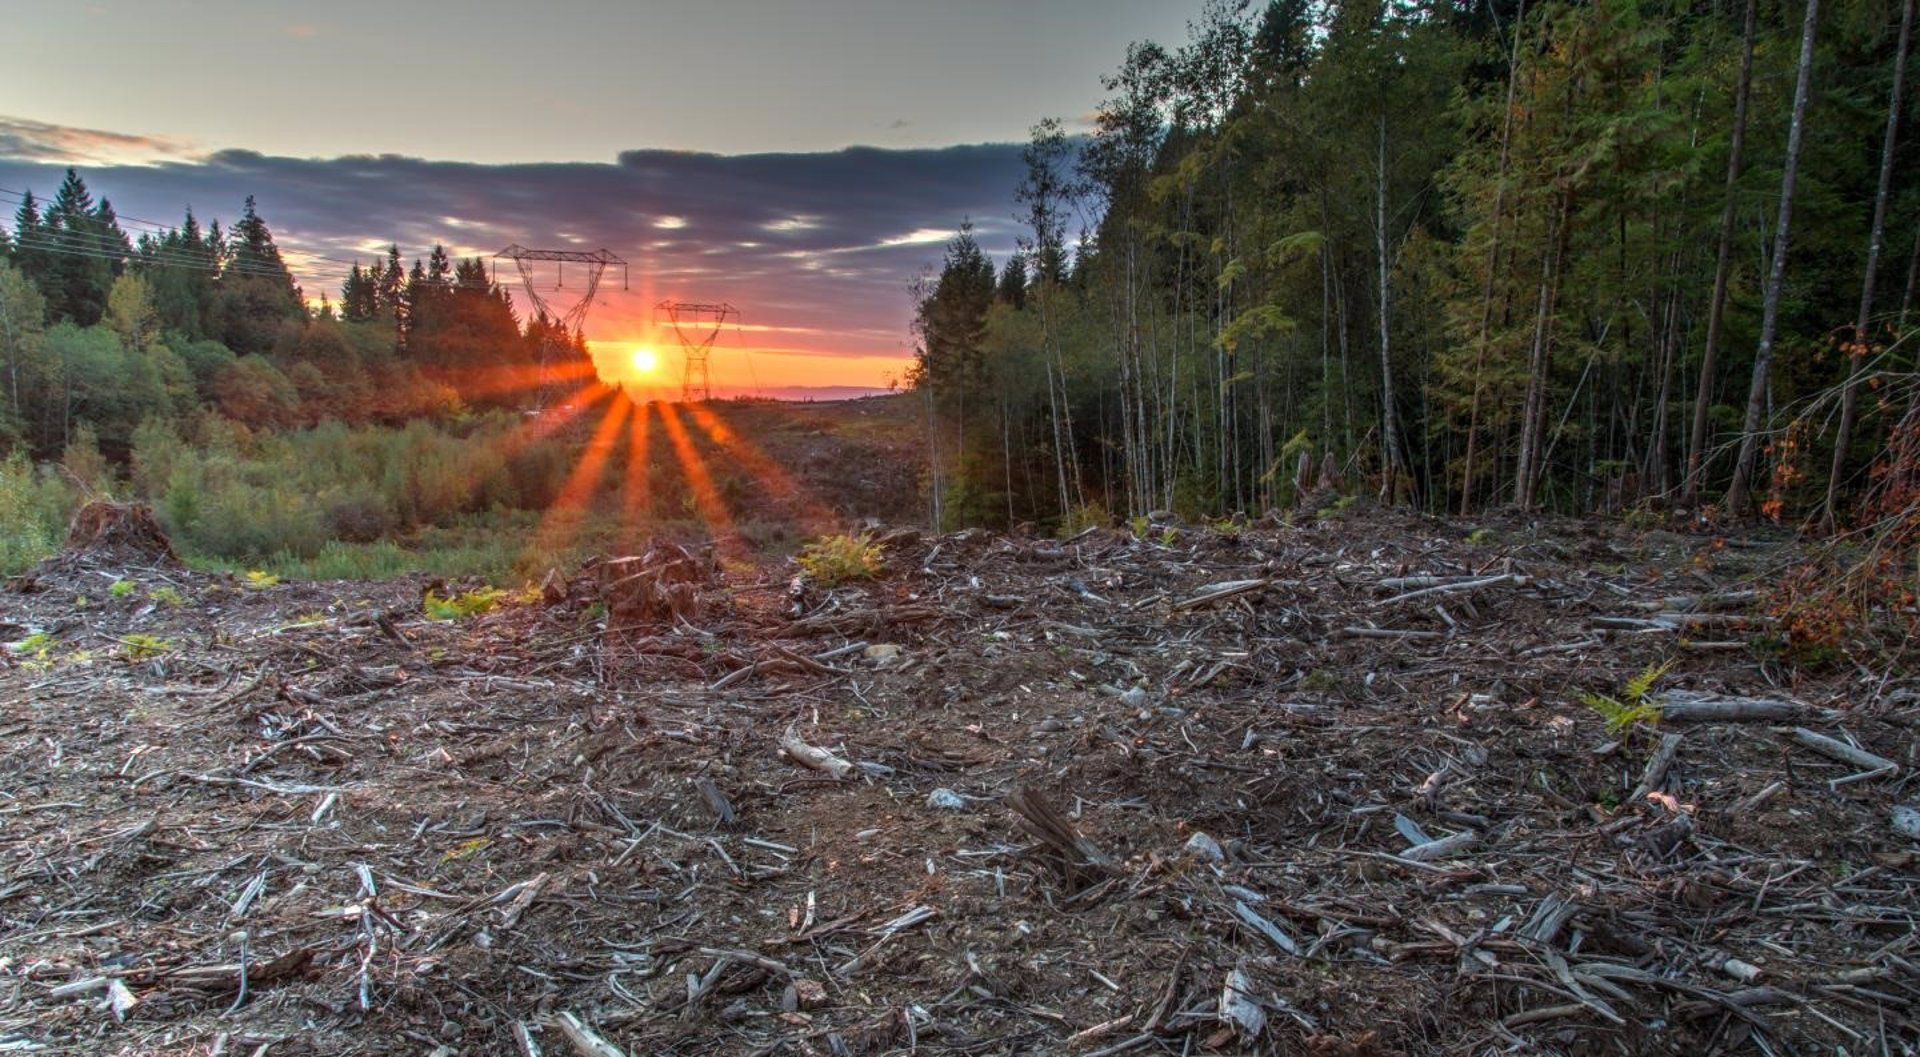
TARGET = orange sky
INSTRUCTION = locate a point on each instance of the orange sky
(650, 360)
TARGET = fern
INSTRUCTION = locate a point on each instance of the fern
(1632, 707)
(1638, 687)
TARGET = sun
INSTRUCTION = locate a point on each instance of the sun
(643, 360)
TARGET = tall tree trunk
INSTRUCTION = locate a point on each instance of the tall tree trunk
(1739, 492)
(1493, 266)
(1393, 463)
(1717, 305)
(1655, 476)
(1913, 280)
(1850, 397)
(1533, 423)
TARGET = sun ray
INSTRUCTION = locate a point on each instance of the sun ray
(505, 379)
(813, 515)
(706, 498)
(561, 522)
(550, 421)
(637, 491)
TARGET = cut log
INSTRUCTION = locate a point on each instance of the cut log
(1686, 706)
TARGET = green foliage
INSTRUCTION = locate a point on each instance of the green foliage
(836, 559)
(34, 507)
(1082, 518)
(462, 605)
(259, 580)
(1632, 707)
(141, 647)
(123, 589)
(167, 595)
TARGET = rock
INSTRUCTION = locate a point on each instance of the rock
(946, 800)
(1133, 696)
(1905, 819)
(803, 993)
(1205, 848)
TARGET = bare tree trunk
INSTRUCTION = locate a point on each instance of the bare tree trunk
(1717, 306)
(1326, 342)
(1655, 475)
(1493, 266)
(1006, 457)
(1913, 279)
(1393, 463)
(1738, 493)
(1540, 363)
(1850, 397)
(936, 491)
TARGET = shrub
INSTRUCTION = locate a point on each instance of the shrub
(462, 605)
(34, 507)
(1082, 518)
(838, 559)
(141, 647)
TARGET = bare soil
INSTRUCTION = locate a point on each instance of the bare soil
(1092, 802)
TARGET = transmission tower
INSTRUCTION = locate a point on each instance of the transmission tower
(574, 318)
(697, 325)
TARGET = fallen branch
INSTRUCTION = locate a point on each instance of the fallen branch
(586, 1042)
(1450, 845)
(1220, 592)
(1875, 766)
(1455, 588)
(1656, 772)
(812, 756)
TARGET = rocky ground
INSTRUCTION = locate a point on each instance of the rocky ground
(1325, 789)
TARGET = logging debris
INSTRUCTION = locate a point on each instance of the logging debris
(1327, 789)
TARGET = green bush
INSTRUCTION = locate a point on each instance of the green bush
(34, 507)
(833, 560)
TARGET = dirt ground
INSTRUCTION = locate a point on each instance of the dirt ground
(1327, 789)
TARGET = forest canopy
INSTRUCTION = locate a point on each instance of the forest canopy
(1568, 255)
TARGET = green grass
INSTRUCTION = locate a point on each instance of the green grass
(123, 588)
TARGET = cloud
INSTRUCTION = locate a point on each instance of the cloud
(821, 245)
(28, 140)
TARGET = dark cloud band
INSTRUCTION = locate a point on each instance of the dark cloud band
(824, 243)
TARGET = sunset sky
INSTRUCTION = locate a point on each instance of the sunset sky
(801, 161)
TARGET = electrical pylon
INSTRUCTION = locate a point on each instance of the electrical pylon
(574, 319)
(696, 324)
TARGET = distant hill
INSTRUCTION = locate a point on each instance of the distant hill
(799, 392)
